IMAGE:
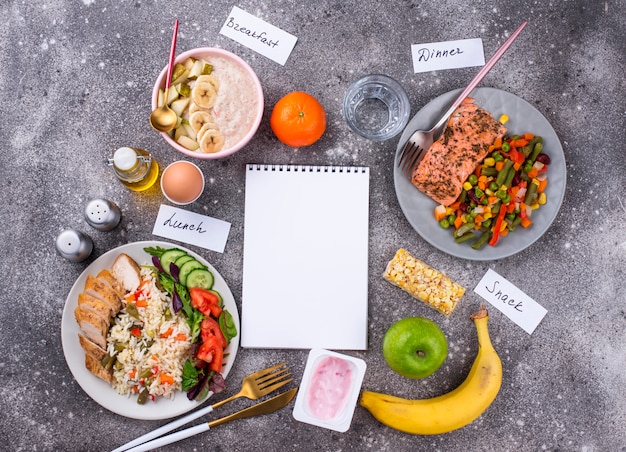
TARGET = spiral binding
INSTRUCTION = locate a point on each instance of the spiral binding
(306, 168)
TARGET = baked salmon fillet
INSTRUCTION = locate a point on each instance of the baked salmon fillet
(456, 154)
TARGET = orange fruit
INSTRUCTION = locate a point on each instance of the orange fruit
(298, 119)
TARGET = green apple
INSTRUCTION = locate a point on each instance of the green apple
(415, 347)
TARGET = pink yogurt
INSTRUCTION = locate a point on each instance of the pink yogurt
(329, 387)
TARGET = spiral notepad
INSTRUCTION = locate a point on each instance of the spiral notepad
(305, 257)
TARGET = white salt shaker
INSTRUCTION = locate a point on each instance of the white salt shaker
(102, 214)
(74, 245)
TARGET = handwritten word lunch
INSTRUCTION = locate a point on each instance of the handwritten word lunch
(172, 223)
(260, 36)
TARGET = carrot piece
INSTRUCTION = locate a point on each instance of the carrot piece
(455, 205)
(497, 144)
(477, 220)
(526, 222)
(533, 173)
(529, 136)
(440, 212)
(166, 378)
(499, 165)
(458, 222)
(542, 185)
(504, 232)
(519, 143)
(491, 200)
(168, 333)
(141, 303)
(132, 373)
(181, 337)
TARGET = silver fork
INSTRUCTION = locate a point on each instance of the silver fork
(421, 140)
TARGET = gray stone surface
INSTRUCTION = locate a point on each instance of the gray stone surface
(75, 81)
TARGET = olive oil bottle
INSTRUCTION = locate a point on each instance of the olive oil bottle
(135, 168)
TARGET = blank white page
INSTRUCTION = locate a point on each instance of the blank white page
(305, 257)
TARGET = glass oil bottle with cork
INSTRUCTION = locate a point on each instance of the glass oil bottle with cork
(135, 168)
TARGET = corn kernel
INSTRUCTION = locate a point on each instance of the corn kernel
(490, 161)
(503, 119)
(467, 186)
(542, 199)
(487, 215)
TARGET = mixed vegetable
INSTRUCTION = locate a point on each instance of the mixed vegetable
(501, 194)
(190, 284)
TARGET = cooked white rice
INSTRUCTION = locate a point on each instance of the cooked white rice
(156, 351)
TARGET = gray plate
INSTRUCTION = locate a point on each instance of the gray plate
(523, 117)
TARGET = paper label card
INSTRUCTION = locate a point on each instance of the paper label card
(436, 56)
(511, 301)
(258, 35)
(189, 227)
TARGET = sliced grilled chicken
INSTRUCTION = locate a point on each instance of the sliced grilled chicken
(97, 305)
(95, 367)
(107, 277)
(92, 325)
(127, 272)
(96, 288)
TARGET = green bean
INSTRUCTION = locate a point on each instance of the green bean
(526, 150)
(536, 151)
(482, 240)
(132, 310)
(143, 397)
(531, 191)
(465, 237)
(488, 171)
(504, 172)
(509, 177)
(145, 373)
(107, 361)
(463, 196)
(463, 229)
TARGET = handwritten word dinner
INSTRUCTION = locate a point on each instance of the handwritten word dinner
(424, 54)
(260, 36)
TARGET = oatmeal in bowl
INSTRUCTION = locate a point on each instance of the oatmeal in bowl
(218, 100)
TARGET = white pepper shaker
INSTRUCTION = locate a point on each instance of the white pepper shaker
(74, 245)
(102, 214)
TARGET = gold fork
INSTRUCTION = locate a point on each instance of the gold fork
(253, 387)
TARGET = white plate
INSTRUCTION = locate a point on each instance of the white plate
(102, 392)
(523, 117)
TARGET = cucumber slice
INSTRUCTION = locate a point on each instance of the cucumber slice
(187, 268)
(201, 278)
(182, 259)
(170, 256)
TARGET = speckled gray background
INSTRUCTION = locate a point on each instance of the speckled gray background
(75, 81)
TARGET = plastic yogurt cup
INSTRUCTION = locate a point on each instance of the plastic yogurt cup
(376, 107)
(329, 390)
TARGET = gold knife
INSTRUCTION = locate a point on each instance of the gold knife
(265, 407)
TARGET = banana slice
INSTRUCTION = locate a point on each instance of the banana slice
(194, 108)
(204, 95)
(199, 119)
(209, 79)
(211, 140)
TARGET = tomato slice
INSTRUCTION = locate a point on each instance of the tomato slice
(205, 301)
(210, 328)
(212, 352)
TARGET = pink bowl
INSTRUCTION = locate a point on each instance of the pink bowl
(208, 52)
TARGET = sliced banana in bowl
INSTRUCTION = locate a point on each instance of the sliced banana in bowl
(220, 99)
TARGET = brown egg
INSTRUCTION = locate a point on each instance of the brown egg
(182, 182)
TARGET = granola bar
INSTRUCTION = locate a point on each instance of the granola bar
(423, 282)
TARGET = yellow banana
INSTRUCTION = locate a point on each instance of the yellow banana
(450, 411)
